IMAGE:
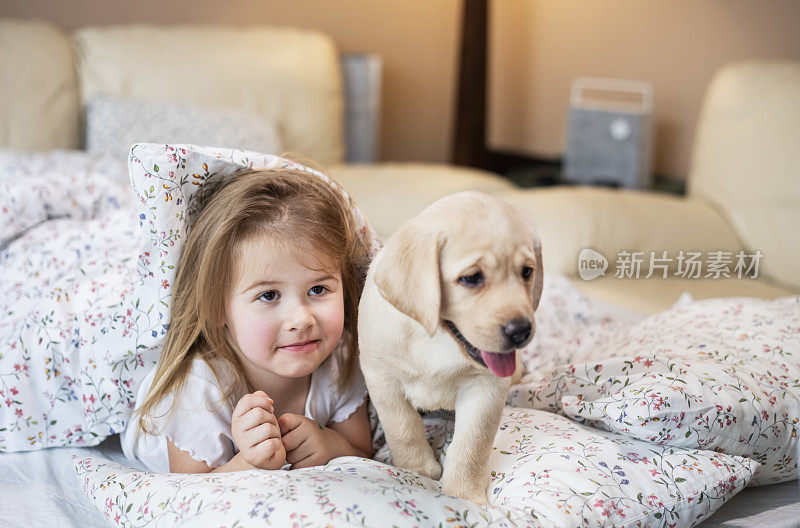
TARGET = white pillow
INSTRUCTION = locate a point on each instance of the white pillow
(717, 374)
(86, 303)
(546, 471)
(113, 124)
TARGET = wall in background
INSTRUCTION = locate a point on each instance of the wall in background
(417, 40)
(536, 48)
(539, 46)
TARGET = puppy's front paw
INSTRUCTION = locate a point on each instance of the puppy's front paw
(423, 462)
(465, 490)
(430, 468)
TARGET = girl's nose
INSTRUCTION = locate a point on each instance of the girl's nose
(299, 318)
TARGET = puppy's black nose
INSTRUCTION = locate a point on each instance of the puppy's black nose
(518, 331)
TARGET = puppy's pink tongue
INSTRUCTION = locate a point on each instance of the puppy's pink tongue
(501, 365)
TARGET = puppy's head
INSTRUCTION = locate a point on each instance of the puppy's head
(471, 264)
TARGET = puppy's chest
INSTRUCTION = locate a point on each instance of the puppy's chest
(433, 380)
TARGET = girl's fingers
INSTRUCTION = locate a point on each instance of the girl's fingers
(290, 421)
(255, 417)
(293, 439)
(261, 433)
(304, 450)
(250, 401)
(303, 463)
(266, 449)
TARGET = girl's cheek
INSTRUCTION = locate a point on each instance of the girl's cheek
(334, 318)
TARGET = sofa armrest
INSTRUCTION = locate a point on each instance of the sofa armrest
(570, 219)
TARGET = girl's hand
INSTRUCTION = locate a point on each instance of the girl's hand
(256, 433)
(309, 444)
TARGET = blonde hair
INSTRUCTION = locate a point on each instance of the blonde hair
(294, 206)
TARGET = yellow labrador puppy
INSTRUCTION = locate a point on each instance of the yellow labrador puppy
(446, 304)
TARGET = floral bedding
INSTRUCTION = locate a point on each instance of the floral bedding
(546, 472)
(86, 266)
(719, 374)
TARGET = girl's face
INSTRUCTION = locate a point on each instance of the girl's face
(285, 313)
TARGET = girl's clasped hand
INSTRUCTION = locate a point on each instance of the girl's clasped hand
(256, 432)
(267, 442)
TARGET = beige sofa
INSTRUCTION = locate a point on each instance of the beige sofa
(744, 185)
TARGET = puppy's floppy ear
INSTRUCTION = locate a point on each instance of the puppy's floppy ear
(537, 281)
(408, 276)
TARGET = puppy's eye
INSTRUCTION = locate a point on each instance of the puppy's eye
(527, 271)
(476, 279)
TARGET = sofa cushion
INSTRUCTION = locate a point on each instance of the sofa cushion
(747, 161)
(648, 296)
(39, 93)
(288, 75)
(609, 221)
(391, 193)
(113, 124)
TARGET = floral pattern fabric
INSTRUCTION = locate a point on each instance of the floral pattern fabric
(87, 270)
(546, 472)
(87, 267)
(718, 374)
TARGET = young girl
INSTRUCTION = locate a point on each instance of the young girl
(259, 368)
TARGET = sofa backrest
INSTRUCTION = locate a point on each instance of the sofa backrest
(289, 75)
(746, 160)
(38, 92)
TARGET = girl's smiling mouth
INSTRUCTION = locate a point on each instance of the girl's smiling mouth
(302, 346)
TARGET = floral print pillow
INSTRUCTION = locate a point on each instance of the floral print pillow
(86, 282)
(718, 374)
(546, 472)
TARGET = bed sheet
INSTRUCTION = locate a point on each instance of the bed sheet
(39, 489)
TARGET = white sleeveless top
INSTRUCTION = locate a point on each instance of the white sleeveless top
(200, 424)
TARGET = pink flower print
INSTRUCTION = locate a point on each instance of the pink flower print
(164, 284)
(18, 412)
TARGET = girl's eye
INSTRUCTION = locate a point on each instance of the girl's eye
(318, 290)
(476, 279)
(269, 296)
(526, 272)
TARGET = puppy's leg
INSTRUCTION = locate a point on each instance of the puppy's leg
(405, 433)
(478, 412)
